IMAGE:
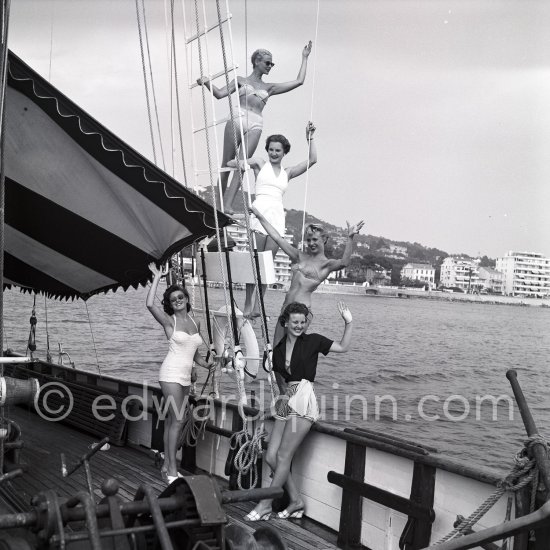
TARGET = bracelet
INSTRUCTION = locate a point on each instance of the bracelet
(349, 322)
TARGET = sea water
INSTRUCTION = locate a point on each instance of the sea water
(429, 371)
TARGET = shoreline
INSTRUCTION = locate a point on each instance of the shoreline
(492, 299)
(410, 293)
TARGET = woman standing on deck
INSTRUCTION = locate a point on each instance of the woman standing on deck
(295, 359)
(310, 268)
(271, 184)
(175, 374)
(253, 96)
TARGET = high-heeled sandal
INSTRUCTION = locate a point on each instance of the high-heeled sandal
(254, 516)
(296, 514)
(170, 479)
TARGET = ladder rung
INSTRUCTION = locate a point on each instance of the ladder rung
(214, 76)
(208, 29)
(212, 124)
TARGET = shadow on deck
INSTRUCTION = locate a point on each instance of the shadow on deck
(131, 467)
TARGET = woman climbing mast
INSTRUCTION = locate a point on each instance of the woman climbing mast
(271, 184)
(253, 96)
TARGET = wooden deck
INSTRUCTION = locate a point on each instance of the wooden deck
(45, 441)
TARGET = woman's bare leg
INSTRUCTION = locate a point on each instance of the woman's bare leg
(252, 138)
(295, 430)
(176, 400)
(228, 154)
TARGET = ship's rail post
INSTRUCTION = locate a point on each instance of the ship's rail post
(540, 453)
(418, 507)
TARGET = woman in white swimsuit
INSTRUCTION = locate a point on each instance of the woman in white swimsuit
(176, 371)
(253, 96)
(271, 184)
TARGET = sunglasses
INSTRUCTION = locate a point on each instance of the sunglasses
(177, 298)
(269, 63)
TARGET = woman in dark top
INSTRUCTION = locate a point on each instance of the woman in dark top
(295, 359)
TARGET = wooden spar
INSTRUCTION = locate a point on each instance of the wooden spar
(540, 518)
(539, 449)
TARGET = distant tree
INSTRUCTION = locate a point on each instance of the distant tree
(487, 262)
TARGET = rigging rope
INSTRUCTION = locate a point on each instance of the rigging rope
(4, 74)
(157, 118)
(210, 172)
(311, 119)
(523, 472)
(144, 70)
(178, 110)
(31, 343)
(48, 353)
(246, 200)
(93, 339)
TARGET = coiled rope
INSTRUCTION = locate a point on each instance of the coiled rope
(249, 450)
(524, 471)
(193, 427)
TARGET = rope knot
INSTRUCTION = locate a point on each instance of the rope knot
(536, 439)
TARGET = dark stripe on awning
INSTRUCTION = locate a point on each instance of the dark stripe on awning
(123, 161)
(67, 233)
(27, 276)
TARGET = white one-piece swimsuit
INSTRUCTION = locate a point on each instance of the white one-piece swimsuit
(178, 363)
(269, 199)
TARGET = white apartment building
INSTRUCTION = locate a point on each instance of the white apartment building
(419, 272)
(460, 272)
(491, 279)
(525, 274)
(281, 261)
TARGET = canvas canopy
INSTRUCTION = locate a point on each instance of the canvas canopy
(85, 212)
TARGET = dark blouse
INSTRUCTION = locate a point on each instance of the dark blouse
(303, 363)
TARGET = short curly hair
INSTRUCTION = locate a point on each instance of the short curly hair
(166, 298)
(261, 53)
(278, 138)
(317, 228)
(294, 307)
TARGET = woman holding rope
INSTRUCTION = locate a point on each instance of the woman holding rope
(271, 184)
(295, 359)
(253, 96)
(176, 372)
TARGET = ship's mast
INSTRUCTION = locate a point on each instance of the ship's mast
(3, 80)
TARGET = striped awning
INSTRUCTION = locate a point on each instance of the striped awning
(85, 213)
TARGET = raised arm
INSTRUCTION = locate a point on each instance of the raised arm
(284, 87)
(300, 168)
(345, 341)
(218, 93)
(284, 245)
(335, 265)
(157, 312)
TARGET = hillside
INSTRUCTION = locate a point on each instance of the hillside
(370, 247)
(370, 251)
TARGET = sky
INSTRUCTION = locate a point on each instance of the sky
(432, 116)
